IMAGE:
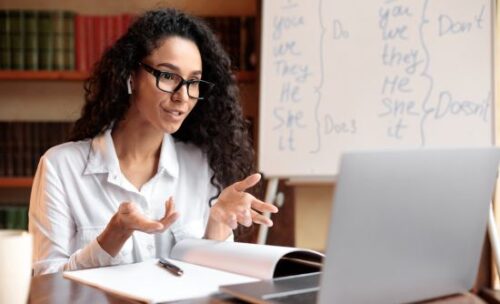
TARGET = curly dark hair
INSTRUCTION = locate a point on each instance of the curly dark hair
(215, 125)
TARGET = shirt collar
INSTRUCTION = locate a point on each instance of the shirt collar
(103, 158)
(168, 156)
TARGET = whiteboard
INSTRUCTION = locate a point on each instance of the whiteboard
(355, 74)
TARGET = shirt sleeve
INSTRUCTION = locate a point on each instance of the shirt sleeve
(53, 228)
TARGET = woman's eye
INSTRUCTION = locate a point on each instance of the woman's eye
(168, 76)
(195, 82)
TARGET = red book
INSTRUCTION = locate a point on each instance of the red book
(91, 41)
(81, 44)
(128, 19)
(117, 27)
(99, 37)
(110, 30)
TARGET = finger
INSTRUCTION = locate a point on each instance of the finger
(149, 226)
(169, 207)
(263, 207)
(248, 182)
(169, 220)
(245, 218)
(261, 219)
(170, 214)
(220, 215)
(231, 221)
(126, 208)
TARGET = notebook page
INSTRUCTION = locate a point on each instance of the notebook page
(252, 260)
(148, 282)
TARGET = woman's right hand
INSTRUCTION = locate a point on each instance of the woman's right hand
(129, 218)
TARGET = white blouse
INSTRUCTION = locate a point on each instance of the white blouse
(78, 187)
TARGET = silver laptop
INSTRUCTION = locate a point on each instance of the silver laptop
(406, 225)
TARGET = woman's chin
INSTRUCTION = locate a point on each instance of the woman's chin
(171, 128)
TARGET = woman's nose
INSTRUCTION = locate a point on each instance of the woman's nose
(181, 94)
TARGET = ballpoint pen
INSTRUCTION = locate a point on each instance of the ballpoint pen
(170, 267)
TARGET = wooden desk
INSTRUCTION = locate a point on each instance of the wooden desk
(54, 289)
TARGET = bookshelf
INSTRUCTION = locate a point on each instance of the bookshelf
(55, 95)
(16, 182)
(241, 76)
(43, 75)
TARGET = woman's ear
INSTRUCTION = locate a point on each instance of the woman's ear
(129, 84)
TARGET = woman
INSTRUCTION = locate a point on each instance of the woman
(161, 124)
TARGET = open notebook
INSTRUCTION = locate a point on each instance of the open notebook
(206, 265)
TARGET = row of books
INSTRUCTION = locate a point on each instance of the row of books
(14, 217)
(37, 40)
(237, 35)
(94, 34)
(63, 40)
(22, 144)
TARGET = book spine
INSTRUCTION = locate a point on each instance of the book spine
(44, 139)
(45, 40)
(19, 149)
(16, 217)
(118, 27)
(33, 151)
(128, 19)
(69, 40)
(31, 40)
(109, 26)
(3, 139)
(10, 220)
(5, 40)
(9, 147)
(99, 37)
(27, 149)
(250, 47)
(17, 39)
(243, 43)
(234, 37)
(58, 40)
(90, 41)
(81, 43)
(3, 218)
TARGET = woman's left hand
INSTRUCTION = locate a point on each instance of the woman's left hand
(234, 205)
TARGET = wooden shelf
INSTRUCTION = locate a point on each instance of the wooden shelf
(43, 75)
(16, 182)
(241, 76)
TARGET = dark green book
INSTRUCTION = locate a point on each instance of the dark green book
(17, 39)
(45, 40)
(31, 40)
(3, 218)
(16, 217)
(58, 36)
(69, 40)
(5, 44)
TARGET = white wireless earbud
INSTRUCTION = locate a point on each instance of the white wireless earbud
(129, 86)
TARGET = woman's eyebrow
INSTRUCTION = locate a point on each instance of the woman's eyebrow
(169, 65)
(176, 68)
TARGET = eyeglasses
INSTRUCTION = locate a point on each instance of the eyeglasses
(171, 83)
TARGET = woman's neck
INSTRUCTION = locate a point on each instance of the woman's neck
(138, 147)
(135, 141)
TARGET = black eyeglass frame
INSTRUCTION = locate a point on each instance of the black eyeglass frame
(158, 74)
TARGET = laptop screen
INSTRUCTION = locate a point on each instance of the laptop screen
(407, 225)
